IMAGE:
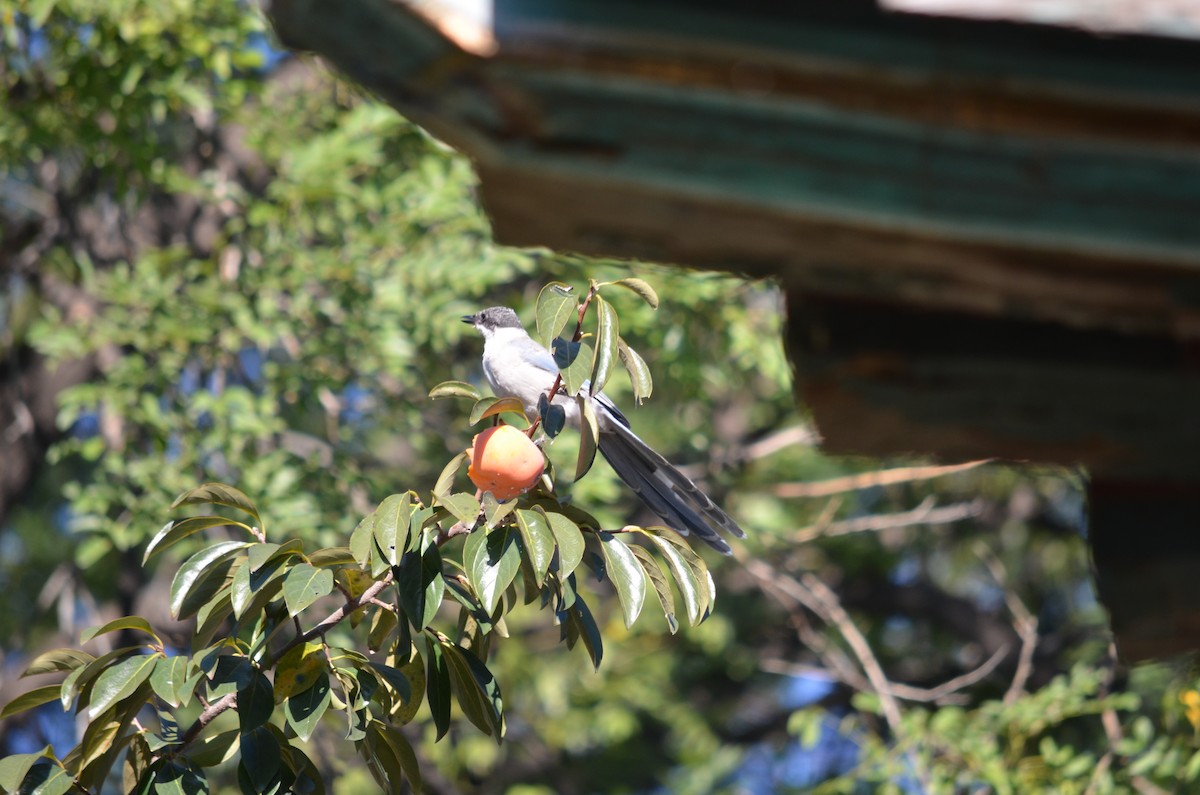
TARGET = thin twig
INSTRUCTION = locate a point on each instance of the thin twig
(866, 480)
(1024, 621)
(926, 513)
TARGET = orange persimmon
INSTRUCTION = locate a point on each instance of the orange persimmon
(504, 461)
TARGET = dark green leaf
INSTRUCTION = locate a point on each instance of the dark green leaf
(30, 699)
(305, 584)
(78, 681)
(229, 674)
(255, 702)
(538, 541)
(639, 373)
(248, 593)
(57, 660)
(555, 307)
(218, 494)
(420, 585)
(640, 287)
(200, 577)
(661, 586)
(260, 756)
(128, 622)
(403, 752)
(179, 778)
(607, 334)
(119, 681)
(397, 680)
(626, 575)
(492, 561)
(478, 692)
(448, 389)
(589, 435)
(303, 710)
(383, 624)
(554, 416)
(588, 631)
(491, 406)
(212, 751)
(179, 529)
(437, 688)
(568, 538)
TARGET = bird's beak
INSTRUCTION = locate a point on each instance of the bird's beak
(469, 319)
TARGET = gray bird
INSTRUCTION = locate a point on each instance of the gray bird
(517, 366)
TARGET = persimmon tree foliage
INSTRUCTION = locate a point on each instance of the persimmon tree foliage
(404, 616)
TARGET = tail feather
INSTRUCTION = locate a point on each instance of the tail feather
(664, 489)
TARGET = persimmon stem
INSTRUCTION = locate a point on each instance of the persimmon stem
(576, 337)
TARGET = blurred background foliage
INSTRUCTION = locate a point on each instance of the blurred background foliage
(223, 263)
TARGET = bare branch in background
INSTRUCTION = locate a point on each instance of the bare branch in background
(866, 480)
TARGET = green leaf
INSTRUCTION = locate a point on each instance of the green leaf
(691, 575)
(575, 362)
(464, 507)
(448, 389)
(537, 540)
(478, 692)
(420, 585)
(260, 756)
(218, 494)
(200, 577)
(437, 688)
(494, 511)
(303, 710)
(589, 435)
(13, 769)
(395, 678)
(212, 751)
(639, 373)
(640, 287)
(175, 531)
(119, 681)
(255, 702)
(249, 592)
(57, 660)
(491, 406)
(626, 574)
(305, 584)
(331, 557)
(46, 778)
(568, 538)
(492, 560)
(585, 624)
(259, 555)
(391, 526)
(445, 481)
(658, 580)
(390, 741)
(128, 622)
(169, 679)
(362, 540)
(555, 307)
(30, 699)
(78, 681)
(179, 778)
(607, 334)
